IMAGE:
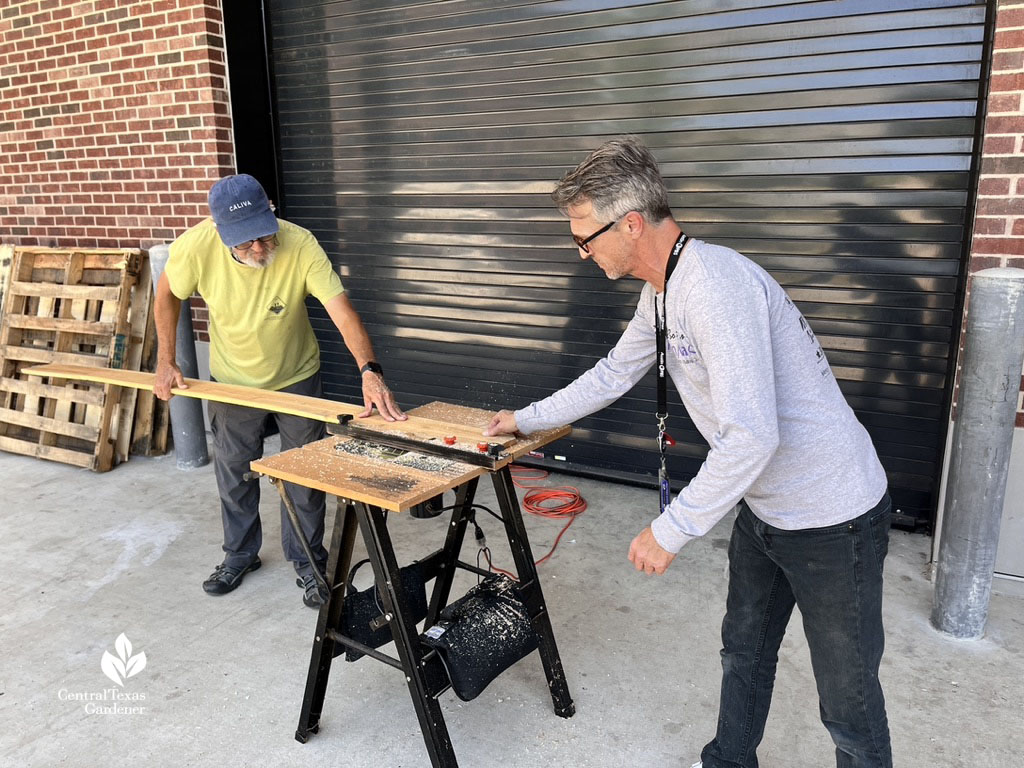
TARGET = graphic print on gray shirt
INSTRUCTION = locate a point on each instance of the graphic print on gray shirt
(759, 389)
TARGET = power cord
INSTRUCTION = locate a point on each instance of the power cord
(558, 503)
(563, 502)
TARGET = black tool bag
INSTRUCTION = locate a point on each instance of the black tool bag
(482, 634)
(362, 608)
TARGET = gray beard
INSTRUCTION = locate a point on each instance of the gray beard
(249, 261)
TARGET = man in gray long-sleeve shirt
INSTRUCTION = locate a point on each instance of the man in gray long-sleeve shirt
(813, 520)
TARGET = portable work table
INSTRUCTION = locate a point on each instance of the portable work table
(435, 451)
(369, 483)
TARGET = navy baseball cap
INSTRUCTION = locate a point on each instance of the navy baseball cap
(241, 210)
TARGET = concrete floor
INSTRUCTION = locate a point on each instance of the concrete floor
(88, 557)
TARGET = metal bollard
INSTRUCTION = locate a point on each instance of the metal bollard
(979, 464)
(187, 424)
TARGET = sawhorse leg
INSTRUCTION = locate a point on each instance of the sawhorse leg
(387, 577)
(529, 585)
(338, 564)
(449, 554)
(403, 630)
(373, 524)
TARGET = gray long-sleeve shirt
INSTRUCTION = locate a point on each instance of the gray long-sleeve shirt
(758, 387)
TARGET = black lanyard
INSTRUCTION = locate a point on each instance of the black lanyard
(660, 322)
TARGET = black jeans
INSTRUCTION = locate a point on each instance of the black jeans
(238, 434)
(834, 575)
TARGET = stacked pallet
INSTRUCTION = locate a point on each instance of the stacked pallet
(83, 307)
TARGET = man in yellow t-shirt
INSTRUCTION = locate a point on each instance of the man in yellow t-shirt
(254, 272)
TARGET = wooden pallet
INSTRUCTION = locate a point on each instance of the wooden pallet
(85, 307)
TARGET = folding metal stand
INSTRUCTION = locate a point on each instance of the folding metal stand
(423, 671)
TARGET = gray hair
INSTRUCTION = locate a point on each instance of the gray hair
(618, 177)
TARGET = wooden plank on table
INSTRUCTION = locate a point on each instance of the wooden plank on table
(430, 423)
(537, 440)
(478, 418)
(351, 469)
(427, 431)
(315, 408)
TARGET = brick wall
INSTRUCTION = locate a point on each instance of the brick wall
(999, 223)
(114, 120)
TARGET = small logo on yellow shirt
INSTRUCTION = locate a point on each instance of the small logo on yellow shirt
(276, 306)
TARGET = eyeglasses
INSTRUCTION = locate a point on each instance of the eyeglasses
(268, 240)
(581, 242)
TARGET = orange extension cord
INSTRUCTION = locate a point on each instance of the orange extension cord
(559, 503)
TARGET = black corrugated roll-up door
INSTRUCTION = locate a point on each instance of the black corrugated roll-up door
(831, 142)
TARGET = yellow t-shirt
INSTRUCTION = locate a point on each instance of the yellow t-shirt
(260, 334)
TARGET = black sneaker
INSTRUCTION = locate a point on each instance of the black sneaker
(226, 577)
(311, 593)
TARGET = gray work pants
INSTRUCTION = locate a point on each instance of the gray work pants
(238, 434)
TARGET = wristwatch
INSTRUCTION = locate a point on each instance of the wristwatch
(372, 366)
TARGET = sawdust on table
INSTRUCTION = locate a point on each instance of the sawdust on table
(391, 484)
(398, 457)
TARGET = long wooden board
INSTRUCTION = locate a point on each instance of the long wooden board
(319, 409)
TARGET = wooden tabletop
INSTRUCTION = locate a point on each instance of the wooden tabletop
(390, 478)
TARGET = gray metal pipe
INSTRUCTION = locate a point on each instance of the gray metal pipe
(187, 425)
(982, 435)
